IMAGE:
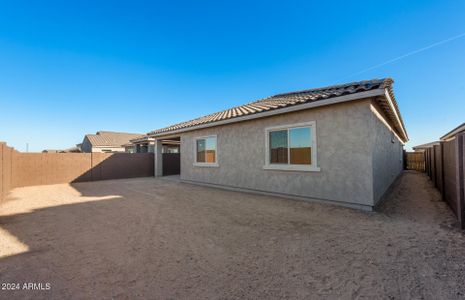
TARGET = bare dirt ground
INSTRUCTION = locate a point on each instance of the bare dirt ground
(157, 239)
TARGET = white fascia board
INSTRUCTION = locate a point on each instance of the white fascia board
(391, 105)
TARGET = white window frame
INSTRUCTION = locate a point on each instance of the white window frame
(292, 167)
(206, 164)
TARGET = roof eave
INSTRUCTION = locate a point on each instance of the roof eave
(390, 101)
(108, 146)
(335, 100)
(142, 140)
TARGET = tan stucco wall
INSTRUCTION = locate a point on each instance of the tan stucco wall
(345, 137)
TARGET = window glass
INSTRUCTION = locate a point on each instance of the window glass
(206, 150)
(278, 147)
(201, 150)
(210, 150)
(300, 144)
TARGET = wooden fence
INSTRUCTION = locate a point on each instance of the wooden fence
(445, 165)
(26, 169)
(414, 161)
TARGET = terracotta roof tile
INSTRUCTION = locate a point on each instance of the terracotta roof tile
(289, 99)
(109, 138)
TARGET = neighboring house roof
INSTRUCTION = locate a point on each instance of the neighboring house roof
(69, 150)
(72, 150)
(427, 145)
(111, 139)
(453, 132)
(283, 103)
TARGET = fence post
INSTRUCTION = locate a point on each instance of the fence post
(443, 185)
(1, 171)
(461, 179)
(158, 169)
(434, 172)
(427, 160)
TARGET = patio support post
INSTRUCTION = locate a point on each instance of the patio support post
(158, 169)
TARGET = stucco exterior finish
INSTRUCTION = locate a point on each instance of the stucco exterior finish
(358, 155)
(387, 155)
(345, 136)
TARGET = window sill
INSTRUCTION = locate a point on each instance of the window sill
(206, 165)
(299, 168)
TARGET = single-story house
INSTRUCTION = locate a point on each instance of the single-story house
(445, 138)
(341, 144)
(51, 151)
(107, 141)
(452, 134)
(141, 144)
(423, 147)
(75, 149)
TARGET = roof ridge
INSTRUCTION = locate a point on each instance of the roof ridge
(116, 132)
(284, 100)
(334, 86)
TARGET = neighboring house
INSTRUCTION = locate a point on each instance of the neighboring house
(445, 138)
(452, 134)
(51, 151)
(141, 144)
(76, 149)
(107, 141)
(423, 147)
(69, 150)
(341, 144)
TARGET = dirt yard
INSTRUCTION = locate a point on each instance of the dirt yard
(157, 239)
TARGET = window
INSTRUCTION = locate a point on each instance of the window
(206, 151)
(278, 147)
(291, 147)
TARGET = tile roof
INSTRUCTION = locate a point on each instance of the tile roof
(281, 101)
(111, 139)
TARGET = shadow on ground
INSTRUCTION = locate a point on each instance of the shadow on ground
(151, 238)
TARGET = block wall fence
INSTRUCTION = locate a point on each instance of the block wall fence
(445, 165)
(19, 169)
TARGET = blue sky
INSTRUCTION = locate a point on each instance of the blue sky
(70, 68)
